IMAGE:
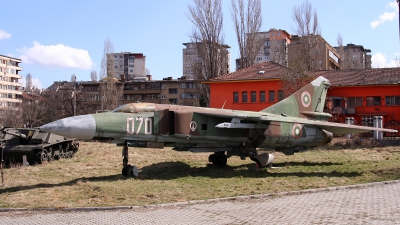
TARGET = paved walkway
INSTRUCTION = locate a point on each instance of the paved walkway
(375, 203)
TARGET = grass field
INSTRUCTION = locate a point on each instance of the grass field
(93, 177)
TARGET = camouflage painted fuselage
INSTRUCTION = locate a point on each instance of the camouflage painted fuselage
(295, 122)
(184, 127)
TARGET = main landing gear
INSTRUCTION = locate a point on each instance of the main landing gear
(219, 159)
(128, 170)
(262, 160)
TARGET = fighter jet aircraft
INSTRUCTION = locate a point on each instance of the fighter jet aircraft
(295, 122)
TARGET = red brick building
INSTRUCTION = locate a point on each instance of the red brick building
(361, 94)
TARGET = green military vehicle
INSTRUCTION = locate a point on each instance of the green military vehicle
(38, 146)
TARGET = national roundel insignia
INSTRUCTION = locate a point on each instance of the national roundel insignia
(306, 99)
(297, 131)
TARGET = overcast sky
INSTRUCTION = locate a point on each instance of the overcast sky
(56, 39)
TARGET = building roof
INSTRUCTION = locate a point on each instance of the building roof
(11, 58)
(260, 71)
(270, 70)
(378, 76)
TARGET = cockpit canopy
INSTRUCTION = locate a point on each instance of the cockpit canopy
(135, 108)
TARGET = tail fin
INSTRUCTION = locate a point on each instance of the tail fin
(308, 102)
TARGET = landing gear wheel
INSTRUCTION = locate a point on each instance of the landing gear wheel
(132, 171)
(128, 170)
(218, 159)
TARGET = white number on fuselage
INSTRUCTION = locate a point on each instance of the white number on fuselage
(130, 125)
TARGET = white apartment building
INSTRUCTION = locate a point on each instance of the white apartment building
(10, 88)
(131, 65)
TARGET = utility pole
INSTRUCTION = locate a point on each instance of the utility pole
(398, 5)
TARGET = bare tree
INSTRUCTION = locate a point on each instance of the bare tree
(307, 28)
(32, 110)
(107, 61)
(93, 75)
(110, 93)
(307, 53)
(207, 18)
(247, 22)
(11, 117)
(28, 86)
(294, 78)
(73, 78)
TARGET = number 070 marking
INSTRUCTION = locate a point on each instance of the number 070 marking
(130, 125)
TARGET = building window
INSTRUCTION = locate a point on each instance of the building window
(162, 96)
(392, 100)
(262, 96)
(189, 95)
(191, 85)
(368, 120)
(131, 61)
(281, 95)
(253, 96)
(355, 101)
(373, 100)
(271, 95)
(235, 97)
(173, 101)
(183, 85)
(173, 91)
(244, 96)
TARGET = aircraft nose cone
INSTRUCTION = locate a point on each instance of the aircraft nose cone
(81, 127)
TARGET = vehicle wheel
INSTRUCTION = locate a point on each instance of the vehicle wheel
(42, 156)
(69, 154)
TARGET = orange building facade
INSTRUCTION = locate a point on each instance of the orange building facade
(246, 95)
(361, 94)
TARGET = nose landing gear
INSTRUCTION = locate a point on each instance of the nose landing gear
(128, 170)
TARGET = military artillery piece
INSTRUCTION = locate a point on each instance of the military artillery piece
(38, 146)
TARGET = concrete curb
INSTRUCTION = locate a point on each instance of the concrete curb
(181, 204)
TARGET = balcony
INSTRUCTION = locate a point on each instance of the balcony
(142, 91)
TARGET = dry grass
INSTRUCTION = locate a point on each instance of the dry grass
(92, 177)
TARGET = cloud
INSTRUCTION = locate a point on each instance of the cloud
(379, 61)
(386, 16)
(56, 56)
(393, 5)
(4, 34)
(36, 83)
